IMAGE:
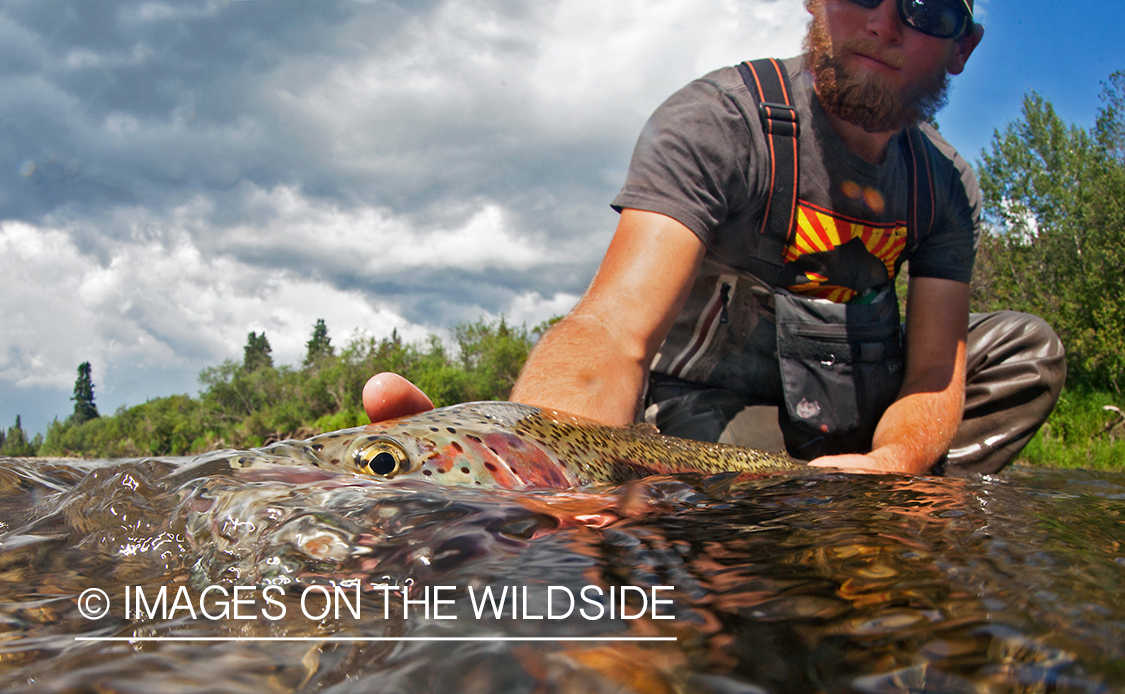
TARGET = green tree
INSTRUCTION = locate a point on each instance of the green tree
(540, 330)
(1054, 242)
(1110, 128)
(15, 442)
(491, 355)
(242, 405)
(320, 345)
(256, 354)
(84, 407)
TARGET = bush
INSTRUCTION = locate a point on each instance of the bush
(240, 407)
(1080, 433)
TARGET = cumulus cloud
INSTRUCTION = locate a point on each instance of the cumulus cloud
(174, 175)
(375, 241)
(154, 306)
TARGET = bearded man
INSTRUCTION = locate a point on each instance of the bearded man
(733, 308)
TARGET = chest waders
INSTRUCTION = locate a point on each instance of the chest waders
(840, 364)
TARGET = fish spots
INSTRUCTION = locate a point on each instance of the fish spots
(512, 446)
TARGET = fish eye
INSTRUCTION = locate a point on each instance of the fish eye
(383, 458)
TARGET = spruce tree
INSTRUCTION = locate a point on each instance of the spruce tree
(257, 352)
(320, 345)
(16, 443)
(84, 407)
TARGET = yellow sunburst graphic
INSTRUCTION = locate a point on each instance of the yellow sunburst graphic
(819, 230)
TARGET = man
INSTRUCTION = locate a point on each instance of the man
(688, 290)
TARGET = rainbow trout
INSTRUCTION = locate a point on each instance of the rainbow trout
(504, 444)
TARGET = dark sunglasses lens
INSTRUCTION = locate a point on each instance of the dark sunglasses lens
(934, 17)
(869, 4)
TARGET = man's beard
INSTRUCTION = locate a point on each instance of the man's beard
(866, 99)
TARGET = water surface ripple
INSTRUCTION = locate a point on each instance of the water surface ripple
(791, 583)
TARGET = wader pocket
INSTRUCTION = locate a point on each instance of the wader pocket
(841, 367)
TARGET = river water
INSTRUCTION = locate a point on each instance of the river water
(790, 583)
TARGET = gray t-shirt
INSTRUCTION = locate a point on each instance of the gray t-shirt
(702, 159)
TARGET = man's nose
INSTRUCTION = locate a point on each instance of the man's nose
(884, 21)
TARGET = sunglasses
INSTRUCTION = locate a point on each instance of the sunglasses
(938, 18)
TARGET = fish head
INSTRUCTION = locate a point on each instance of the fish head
(474, 444)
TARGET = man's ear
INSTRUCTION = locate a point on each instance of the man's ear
(963, 48)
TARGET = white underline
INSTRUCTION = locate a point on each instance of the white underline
(374, 638)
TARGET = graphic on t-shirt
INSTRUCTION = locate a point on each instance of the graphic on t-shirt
(838, 258)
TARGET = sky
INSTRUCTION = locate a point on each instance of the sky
(175, 175)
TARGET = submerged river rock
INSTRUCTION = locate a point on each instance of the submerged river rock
(810, 582)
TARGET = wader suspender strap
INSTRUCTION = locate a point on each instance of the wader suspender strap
(769, 83)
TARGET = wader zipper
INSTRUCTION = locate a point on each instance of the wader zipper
(833, 333)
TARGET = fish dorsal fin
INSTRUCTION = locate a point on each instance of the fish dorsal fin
(644, 429)
(500, 412)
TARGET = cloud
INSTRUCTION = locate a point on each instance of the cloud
(174, 175)
(162, 299)
(151, 310)
(373, 241)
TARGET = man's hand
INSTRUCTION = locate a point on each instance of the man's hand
(857, 462)
(849, 462)
(918, 427)
(388, 395)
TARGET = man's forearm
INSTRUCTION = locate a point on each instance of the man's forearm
(580, 367)
(917, 429)
(594, 363)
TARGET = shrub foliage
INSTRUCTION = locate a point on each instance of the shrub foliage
(252, 403)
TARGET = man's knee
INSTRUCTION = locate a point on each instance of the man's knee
(1023, 333)
(1016, 368)
(1008, 347)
